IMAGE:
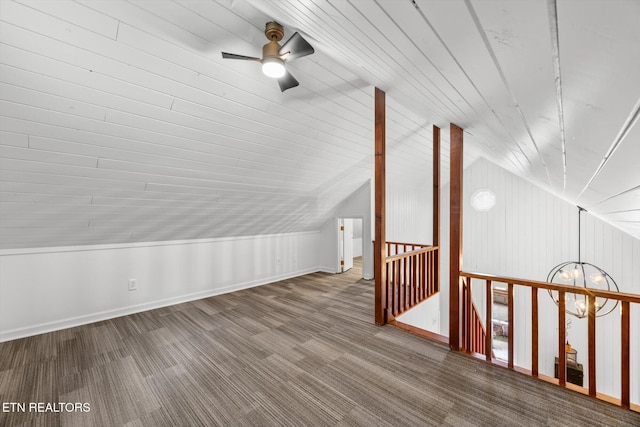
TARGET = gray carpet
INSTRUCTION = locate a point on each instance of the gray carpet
(298, 352)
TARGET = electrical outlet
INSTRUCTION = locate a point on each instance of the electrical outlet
(277, 261)
(132, 285)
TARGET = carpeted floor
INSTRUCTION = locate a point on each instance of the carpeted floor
(299, 352)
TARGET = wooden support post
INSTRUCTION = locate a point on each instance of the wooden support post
(455, 237)
(488, 345)
(469, 326)
(591, 342)
(379, 250)
(625, 320)
(562, 339)
(510, 317)
(436, 206)
(534, 332)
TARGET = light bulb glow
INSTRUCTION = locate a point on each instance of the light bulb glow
(566, 275)
(581, 306)
(273, 67)
(597, 278)
(577, 274)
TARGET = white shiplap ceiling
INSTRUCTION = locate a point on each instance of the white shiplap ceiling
(121, 122)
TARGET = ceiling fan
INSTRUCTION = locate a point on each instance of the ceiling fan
(274, 56)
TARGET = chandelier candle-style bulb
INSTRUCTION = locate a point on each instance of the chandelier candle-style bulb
(565, 275)
(576, 273)
(597, 278)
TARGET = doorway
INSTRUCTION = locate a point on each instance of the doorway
(349, 242)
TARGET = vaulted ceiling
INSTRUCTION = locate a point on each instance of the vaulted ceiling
(121, 122)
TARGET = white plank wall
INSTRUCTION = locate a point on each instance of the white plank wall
(47, 289)
(409, 213)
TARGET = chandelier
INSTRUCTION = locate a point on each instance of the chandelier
(585, 275)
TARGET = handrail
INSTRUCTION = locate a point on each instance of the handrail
(420, 245)
(555, 287)
(625, 299)
(413, 252)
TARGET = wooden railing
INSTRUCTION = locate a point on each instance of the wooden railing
(395, 248)
(469, 328)
(411, 276)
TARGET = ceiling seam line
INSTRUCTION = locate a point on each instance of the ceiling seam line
(487, 44)
(614, 196)
(555, 48)
(622, 134)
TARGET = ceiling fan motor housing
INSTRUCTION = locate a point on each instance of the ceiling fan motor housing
(274, 31)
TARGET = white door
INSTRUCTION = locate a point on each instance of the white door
(347, 242)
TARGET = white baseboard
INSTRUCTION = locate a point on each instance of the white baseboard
(71, 322)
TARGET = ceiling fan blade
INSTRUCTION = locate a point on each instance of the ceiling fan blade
(296, 47)
(287, 81)
(227, 55)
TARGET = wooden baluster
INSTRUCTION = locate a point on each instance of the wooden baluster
(463, 314)
(416, 279)
(534, 332)
(428, 275)
(418, 272)
(414, 273)
(385, 284)
(488, 346)
(404, 284)
(391, 279)
(423, 276)
(410, 301)
(388, 285)
(407, 284)
(398, 287)
(432, 271)
(511, 329)
(591, 342)
(469, 325)
(625, 320)
(562, 339)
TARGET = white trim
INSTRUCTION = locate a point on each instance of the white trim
(114, 246)
(71, 322)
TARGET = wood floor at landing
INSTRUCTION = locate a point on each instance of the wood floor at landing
(303, 351)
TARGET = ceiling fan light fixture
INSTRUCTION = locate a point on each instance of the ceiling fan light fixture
(273, 67)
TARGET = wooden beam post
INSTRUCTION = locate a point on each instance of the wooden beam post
(562, 339)
(379, 249)
(455, 225)
(591, 342)
(534, 333)
(625, 362)
(488, 336)
(436, 206)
